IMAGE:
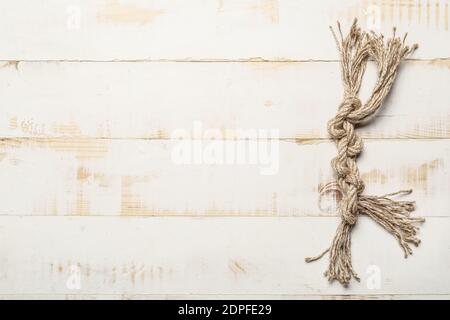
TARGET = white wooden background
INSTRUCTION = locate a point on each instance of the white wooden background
(91, 91)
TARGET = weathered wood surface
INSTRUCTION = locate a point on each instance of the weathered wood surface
(143, 177)
(213, 30)
(152, 100)
(210, 256)
(93, 94)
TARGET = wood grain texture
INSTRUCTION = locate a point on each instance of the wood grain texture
(216, 256)
(93, 92)
(216, 30)
(153, 100)
(143, 177)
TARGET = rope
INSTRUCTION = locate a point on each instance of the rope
(355, 51)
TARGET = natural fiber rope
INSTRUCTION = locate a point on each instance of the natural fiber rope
(355, 50)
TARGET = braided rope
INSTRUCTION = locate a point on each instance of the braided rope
(355, 50)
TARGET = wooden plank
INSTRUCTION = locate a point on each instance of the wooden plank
(216, 256)
(154, 100)
(195, 30)
(146, 177)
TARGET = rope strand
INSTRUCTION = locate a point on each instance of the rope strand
(394, 216)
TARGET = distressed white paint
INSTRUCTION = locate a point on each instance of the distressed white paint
(218, 256)
(205, 30)
(140, 177)
(141, 100)
(91, 92)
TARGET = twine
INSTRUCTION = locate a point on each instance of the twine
(394, 216)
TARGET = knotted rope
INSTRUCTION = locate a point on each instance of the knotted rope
(355, 51)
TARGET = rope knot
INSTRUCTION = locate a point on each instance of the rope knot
(351, 103)
(350, 218)
(336, 128)
(348, 214)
